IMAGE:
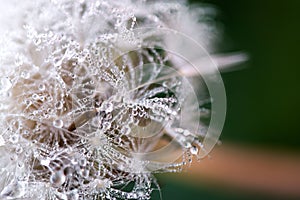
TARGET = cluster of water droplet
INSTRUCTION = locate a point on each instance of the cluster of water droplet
(85, 103)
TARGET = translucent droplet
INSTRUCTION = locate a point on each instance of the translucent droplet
(107, 107)
(58, 123)
(57, 179)
(106, 125)
(35, 96)
(125, 130)
(45, 162)
(14, 139)
(19, 150)
(68, 171)
(42, 87)
(37, 41)
(27, 102)
(25, 74)
(59, 105)
(57, 62)
(5, 84)
(26, 132)
(85, 173)
(20, 164)
(194, 150)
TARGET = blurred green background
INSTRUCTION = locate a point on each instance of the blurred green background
(263, 96)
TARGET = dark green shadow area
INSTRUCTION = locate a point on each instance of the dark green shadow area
(263, 95)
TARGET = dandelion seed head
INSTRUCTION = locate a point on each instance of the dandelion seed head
(96, 95)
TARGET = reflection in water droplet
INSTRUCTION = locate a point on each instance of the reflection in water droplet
(19, 150)
(59, 105)
(107, 107)
(42, 87)
(194, 150)
(57, 179)
(25, 74)
(58, 123)
(14, 139)
(125, 130)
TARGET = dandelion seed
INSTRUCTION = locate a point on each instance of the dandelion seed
(95, 95)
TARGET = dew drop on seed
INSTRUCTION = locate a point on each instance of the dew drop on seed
(57, 179)
(35, 96)
(42, 87)
(19, 150)
(27, 102)
(59, 105)
(58, 123)
(45, 162)
(85, 173)
(20, 164)
(194, 150)
(14, 139)
(25, 74)
(107, 107)
(125, 130)
(106, 125)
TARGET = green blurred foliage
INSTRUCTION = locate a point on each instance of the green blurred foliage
(263, 98)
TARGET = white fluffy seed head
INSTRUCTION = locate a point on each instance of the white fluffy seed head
(94, 98)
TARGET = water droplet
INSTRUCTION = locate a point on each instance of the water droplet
(35, 96)
(57, 62)
(125, 130)
(85, 173)
(19, 150)
(42, 87)
(25, 132)
(57, 179)
(194, 150)
(25, 74)
(14, 139)
(45, 162)
(59, 105)
(20, 164)
(37, 41)
(107, 107)
(68, 171)
(27, 102)
(106, 125)
(58, 123)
